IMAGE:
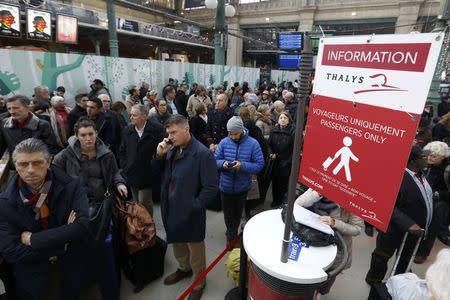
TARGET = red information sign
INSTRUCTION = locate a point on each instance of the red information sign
(363, 116)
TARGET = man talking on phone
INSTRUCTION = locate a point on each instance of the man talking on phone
(238, 157)
(189, 181)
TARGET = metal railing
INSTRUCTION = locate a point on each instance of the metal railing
(160, 31)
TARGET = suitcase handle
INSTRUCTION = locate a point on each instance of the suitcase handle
(400, 251)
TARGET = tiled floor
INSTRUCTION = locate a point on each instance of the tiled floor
(348, 286)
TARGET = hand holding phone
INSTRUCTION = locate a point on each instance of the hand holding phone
(231, 164)
(163, 148)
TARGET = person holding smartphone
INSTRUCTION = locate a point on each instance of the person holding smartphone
(238, 157)
(189, 181)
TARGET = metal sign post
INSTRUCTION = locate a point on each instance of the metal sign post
(298, 142)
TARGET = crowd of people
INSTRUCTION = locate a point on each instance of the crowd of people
(190, 148)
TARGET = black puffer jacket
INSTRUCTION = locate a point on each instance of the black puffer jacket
(256, 133)
(292, 107)
(281, 143)
(198, 129)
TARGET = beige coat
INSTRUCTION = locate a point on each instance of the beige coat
(192, 104)
(347, 223)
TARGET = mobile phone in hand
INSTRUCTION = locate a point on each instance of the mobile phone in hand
(231, 164)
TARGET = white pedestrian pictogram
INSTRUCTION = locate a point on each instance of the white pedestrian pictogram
(346, 154)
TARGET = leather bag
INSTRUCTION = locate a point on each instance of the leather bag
(139, 231)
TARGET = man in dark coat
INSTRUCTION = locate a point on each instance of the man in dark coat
(217, 122)
(181, 99)
(43, 221)
(189, 181)
(77, 112)
(291, 105)
(22, 125)
(139, 142)
(106, 124)
(143, 90)
(169, 96)
(412, 213)
(41, 99)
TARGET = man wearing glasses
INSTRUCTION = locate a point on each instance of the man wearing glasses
(412, 213)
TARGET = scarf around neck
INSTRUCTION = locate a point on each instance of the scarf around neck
(37, 201)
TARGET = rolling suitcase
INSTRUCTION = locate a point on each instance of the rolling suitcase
(379, 291)
(146, 265)
(327, 163)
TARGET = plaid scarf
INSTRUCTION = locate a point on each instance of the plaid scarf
(37, 201)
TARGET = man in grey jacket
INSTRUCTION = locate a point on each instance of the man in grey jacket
(22, 124)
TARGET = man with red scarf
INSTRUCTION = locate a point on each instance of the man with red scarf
(43, 225)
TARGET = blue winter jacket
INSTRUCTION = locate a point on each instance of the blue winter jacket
(249, 153)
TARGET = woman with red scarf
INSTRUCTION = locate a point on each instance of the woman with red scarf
(59, 120)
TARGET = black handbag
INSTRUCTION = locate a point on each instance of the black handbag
(268, 168)
(309, 235)
(100, 213)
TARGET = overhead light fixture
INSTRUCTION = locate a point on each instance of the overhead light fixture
(354, 13)
(230, 11)
(211, 4)
(177, 22)
(267, 19)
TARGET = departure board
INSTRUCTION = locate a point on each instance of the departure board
(290, 40)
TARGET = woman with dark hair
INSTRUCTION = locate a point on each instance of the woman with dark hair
(120, 111)
(256, 133)
(87, 158)
(281, 146)
(198, 123)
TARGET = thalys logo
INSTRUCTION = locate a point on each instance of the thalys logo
(379, 84)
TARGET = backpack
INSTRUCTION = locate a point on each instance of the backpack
(139, 232)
